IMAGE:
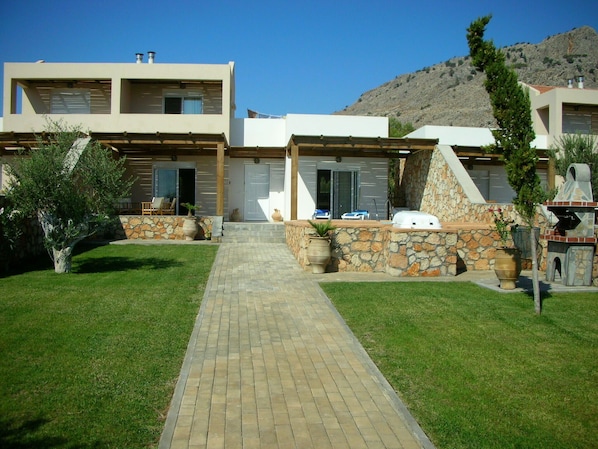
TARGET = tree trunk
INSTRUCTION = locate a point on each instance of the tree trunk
(62, 259)
(535, 277)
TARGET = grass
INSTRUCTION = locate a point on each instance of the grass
(90, 359)
(477, 368)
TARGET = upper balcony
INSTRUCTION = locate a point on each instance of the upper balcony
(175, 98)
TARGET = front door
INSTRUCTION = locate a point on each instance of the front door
(257, 192)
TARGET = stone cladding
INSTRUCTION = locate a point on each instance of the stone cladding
(158, 227)
(371, 246)
(431, 186)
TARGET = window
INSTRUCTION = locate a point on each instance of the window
(70, 101)
(577, 124)
(183, 103)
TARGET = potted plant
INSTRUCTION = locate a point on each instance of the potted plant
(507, 262)
(190, 227)
(318, 250)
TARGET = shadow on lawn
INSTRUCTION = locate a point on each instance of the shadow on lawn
(108, 264)
(24, 435)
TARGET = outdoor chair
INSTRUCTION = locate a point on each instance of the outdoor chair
(169, 208)
(153, 207)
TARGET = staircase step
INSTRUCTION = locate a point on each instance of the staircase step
(246, 232)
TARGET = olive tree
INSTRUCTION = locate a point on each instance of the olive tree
(511, 108)
(70, 183)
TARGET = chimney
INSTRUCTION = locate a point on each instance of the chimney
(151, 56)
(580, 82)
(570, 83)
(139, 58)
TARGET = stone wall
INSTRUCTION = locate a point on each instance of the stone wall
(370, 246)
(431, 186)
(158, 227)
(421, 253)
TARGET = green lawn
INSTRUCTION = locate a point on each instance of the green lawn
(477, 368)
(90, 359)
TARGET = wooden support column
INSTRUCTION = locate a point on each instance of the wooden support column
(294, 179)
(220, 179)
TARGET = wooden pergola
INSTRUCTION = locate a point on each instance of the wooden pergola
(197, 144)
(194, 144)
(348, 146)
(144, 144)
(478, 156)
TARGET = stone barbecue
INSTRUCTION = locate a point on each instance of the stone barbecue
(572, 242)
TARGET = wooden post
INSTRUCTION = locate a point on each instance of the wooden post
(294, 179)
(220, 179)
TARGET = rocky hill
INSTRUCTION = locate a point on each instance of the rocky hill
(452, 93)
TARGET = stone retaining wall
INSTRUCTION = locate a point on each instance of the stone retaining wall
(372, 246)
(376, 247)
(158, 227)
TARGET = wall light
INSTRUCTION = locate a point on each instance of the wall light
(256, 160)
(338, 159)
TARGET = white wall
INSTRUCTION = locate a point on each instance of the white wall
(236, 186)
(252, 132)
(276, 132)
(335, 125)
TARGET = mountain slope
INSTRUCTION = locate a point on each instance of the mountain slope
(452, 93)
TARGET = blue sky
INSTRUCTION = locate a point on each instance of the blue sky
(291, 56)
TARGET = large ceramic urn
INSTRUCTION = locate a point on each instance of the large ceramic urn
(507, 266)
(318, 253)
(190, 228)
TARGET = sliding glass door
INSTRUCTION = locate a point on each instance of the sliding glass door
(175, 182)
(337, 191)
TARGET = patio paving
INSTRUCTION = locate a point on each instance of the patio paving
(271, 364)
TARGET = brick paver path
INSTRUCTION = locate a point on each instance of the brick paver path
(271, 365)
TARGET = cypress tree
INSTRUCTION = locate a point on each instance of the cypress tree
(511, 108)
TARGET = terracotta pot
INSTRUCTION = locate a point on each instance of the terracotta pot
(190, 228)
(235, 215)
(277, 216)
(318, 253)
(507, 266)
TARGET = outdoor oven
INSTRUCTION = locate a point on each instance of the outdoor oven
(571, 243)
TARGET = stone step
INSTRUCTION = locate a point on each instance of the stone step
(245, 232)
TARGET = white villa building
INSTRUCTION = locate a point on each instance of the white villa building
(176, 125)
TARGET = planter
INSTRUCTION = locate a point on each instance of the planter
(190, 228)
(277, 216)
(235, 215)
(507, 266)
(318, 253)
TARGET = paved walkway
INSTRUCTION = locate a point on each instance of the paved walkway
(270, 364)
